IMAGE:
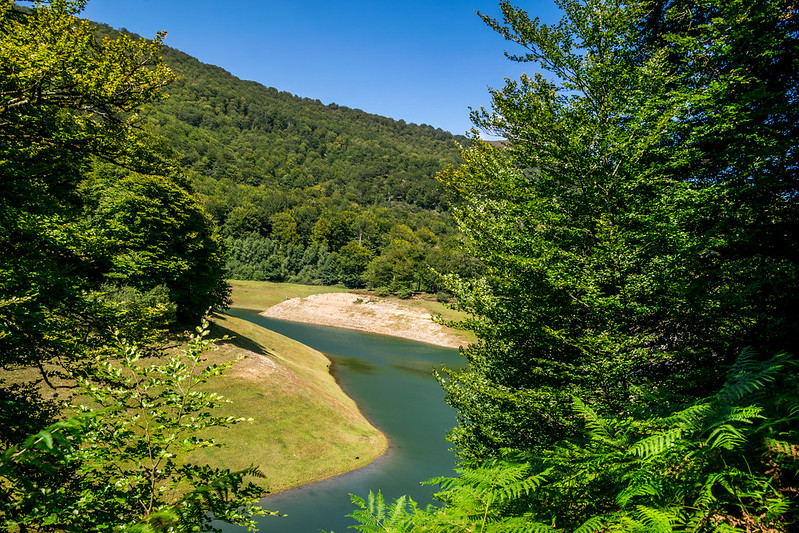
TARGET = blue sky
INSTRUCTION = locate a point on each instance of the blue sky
(421, 61)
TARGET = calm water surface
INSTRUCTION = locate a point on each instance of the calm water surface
(392, 382)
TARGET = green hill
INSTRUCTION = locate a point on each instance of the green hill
(227, 128)
(311, 193)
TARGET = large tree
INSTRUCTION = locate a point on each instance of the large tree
(102, 239)
(638, 228)
(639, 223)
(68, 104)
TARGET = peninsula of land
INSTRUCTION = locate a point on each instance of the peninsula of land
(407, 319)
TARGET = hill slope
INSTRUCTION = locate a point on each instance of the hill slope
(243, 131)
(311, 193)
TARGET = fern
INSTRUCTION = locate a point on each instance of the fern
(656, 444)
(592, 525)
(598, 428)
(641, 484)
(749, 375)
(655, 520)
(374, 515)
(728, 460)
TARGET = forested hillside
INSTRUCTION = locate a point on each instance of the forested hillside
(311, 193)
(227, 128)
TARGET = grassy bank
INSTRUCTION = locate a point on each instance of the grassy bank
(305, 428)
(262, 294)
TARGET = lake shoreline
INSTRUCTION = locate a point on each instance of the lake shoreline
(399, 318)
(364, 312)
(318, 431)
(391, 381)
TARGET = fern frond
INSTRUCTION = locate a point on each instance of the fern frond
(374, 515)
(656, 444)
(641, 485)
(592, 525)
(725, 436)
(749, 375)
(598, 428)
(520, 524)
(655, 520)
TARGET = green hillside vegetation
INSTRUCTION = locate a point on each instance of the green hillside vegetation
(307, 193)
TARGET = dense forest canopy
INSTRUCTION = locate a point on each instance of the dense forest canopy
(310, 193)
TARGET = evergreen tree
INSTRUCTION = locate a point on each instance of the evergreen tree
(638, 231)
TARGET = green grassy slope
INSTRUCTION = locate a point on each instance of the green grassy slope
(305, 428)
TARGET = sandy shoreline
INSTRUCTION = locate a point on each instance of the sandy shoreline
(365, 313)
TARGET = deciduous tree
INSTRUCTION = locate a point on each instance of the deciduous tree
(635, 224)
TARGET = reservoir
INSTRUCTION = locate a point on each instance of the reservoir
(392, 381)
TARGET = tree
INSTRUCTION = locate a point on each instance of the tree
(723, 463)
(100, 233)
(68, 102)
(350, 263)
(65, 99)
(129, 454)
(637, 229)
(610, 224)
(151, 232)
(284, 228)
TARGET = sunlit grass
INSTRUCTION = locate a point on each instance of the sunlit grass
(305, 428)
(263, 294)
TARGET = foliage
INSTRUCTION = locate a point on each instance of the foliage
(724, 463)
(356, 247)
(128, 451)
(611, 223)
(99, 232)
(68, 102)
(150, 231)
(64, 98)
(289, 169)
(241, 131)
(637, 228)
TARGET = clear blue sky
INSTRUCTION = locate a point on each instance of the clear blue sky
(421, 61)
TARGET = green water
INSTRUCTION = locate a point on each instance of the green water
(392, 382)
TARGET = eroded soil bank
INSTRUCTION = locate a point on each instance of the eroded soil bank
(368, 313)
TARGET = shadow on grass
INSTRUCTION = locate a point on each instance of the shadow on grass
(237, 339)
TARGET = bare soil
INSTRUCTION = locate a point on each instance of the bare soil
(373, 314)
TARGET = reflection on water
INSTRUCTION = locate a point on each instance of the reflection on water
(353, 364)
(415, 367)
(392, 382)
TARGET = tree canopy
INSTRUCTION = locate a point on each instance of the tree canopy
(638, 232)
(104, 246)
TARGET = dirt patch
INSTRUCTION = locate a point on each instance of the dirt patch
(375, 315)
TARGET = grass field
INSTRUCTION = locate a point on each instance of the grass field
(305, 428)
(262, 294)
